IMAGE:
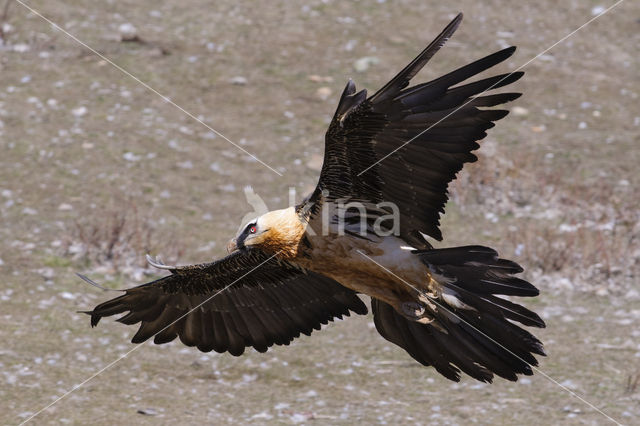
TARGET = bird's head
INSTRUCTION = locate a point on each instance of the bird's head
(278, 231)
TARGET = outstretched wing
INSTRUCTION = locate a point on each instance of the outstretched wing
(405, 144)
(248, 298)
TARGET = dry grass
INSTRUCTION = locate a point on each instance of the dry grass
(633, 383)
(587, 232)
(114, 238)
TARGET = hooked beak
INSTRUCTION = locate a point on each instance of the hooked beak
(232, 246)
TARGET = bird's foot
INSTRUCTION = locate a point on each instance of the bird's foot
(416, 312)
(413, 309)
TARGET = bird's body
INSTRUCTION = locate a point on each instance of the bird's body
(342, 258)
(388, 161)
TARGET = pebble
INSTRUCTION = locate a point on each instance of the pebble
(570, 384)
(247, 378)
(301, 417)
(365, 62)
(21, 48)
(128, 32)
(239, 80)
(79, 111)
(632, 294)
(323, 93)
(215, 167)
(229, 187)
(505, 34)
(130, 156)
(262, 416)
(315, 162)
(520, 111)
(67, 295)
(320, 79)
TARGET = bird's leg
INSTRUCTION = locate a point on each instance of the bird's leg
(421, 308)
(417, 312)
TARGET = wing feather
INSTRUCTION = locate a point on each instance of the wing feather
(367, 154)
(246, 299)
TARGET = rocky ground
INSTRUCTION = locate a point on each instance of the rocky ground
(96, 170)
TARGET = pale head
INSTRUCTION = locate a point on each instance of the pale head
(277, 231)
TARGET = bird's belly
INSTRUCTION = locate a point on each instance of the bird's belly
(379, 269)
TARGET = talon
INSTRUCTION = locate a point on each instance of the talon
(426, 320)
(425, 298)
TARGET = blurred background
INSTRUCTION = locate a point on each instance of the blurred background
(96, 171)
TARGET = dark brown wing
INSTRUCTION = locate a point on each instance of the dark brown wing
(245, 299)
(441, 119)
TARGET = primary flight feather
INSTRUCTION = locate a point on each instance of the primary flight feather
(388, 161)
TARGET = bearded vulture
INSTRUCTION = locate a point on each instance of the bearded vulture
(388, 161)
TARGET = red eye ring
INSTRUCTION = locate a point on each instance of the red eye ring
(252, 230)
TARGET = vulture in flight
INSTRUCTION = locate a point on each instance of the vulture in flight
(388, 161)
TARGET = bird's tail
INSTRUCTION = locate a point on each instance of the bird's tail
(472, 330)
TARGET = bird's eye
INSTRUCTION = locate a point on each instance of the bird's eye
(252, 230)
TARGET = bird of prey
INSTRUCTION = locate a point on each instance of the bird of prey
(388, 161)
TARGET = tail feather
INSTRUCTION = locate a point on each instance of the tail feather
(474, 333)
